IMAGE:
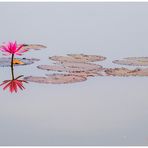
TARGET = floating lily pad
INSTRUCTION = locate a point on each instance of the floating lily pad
(133, 61)
(88, 58)
(34, 46)
(126, 72)
(78, 58)
(87, 74)
(82, 66)
(56, 79)
(71, 67)
(5, 62)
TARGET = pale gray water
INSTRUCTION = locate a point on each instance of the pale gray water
(99, 111)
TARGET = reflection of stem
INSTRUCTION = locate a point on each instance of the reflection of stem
(19, 77)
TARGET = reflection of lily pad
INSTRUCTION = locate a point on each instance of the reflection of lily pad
(34, 46)
(56, 79)
(133, 61)
(71, 67)
(78, 58)
(5, 62)
(127, 72)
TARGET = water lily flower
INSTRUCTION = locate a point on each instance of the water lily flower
(13, 84)
(13, 48)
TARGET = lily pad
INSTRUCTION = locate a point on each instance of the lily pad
(56, 79)
(88, 58)
(78, 58)
(34, 46)
(71, 67)
(126, 72)
(5, 62)
(133, 61)
(87, 74)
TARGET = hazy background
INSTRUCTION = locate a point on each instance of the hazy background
(99, 111)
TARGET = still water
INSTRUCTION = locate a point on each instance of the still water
(99, 111)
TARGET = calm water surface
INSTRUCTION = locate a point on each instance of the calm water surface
(99, 111)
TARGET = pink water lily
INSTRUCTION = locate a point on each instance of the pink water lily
(13, 48)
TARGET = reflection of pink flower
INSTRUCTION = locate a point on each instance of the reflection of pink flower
(13, 48)
(13, 85)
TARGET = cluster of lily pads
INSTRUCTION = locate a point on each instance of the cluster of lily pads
(67, 69)
(78, 67)
(130, 61)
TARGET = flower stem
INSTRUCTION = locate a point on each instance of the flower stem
(12, 71)
(12, 60)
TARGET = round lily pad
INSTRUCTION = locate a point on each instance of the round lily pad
(133, 61)
(87, 74)
(56, 79)
(71, 67)
(33, 46)
(82, 66)
(5, 62)
(88, 58)
(126, 72)
(78, 58)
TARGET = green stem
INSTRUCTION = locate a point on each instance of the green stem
(12, 71)
(12, 60)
